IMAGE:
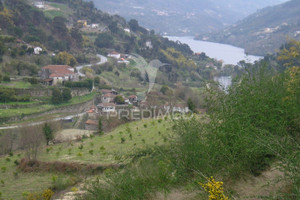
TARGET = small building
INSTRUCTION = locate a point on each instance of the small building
(122, 60)
(112, 91)
(127, 30)
(37, 50)
(54, 74)
(82, 22)
(114, 54)
(108, 98)
(133, 98)
(107, 107)
(39, 5)
(91, 125)
(95, 26)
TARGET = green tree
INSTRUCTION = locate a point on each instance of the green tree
(164, 89)
(191, 105)
(48, 132)
(100, 126)
(104, 40)
(119, 99)
(6, 78)
(97, 80)
(134, 25)
(64, 58)
(6, 94)
(56, 96)
(66, 95)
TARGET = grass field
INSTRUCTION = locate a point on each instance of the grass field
(16, 84)
(63, 11)
(106, 149)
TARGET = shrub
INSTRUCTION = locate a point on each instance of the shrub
(123, 140)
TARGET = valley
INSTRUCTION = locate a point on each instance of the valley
(97, 106)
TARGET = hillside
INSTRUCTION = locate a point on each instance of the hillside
(263, 32)
(184, 17)
(81, 30)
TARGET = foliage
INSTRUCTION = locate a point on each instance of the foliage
(191, 105)
(176, 58)
(56, 96)
(9, 95)
(66, 94)
(100, 126)
(119, 99)
(215, 189)
(164, 89)
(64, 58)
(104, 40)
(88, 83)
(48, 132)
(290, 56)
(135, 182)
(6, 78)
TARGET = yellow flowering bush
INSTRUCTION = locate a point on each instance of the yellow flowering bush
(47, 194)
(215, 189)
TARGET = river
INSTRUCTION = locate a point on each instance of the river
(229, 54)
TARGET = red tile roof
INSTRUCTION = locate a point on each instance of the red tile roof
(91, 122)
(59, 70)
(132, 97)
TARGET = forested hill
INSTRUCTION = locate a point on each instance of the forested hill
(188, 17)
(263, 31)
(77, 30)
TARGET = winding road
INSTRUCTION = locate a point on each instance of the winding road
(103, 60)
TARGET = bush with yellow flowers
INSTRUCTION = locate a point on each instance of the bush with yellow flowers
(215, 189)
(47, 194)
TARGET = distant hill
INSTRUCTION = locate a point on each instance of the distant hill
(264, 31)
(189, 17)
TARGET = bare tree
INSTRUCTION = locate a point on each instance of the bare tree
(7, 142)
(31, 139)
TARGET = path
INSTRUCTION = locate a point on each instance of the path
(42, 122)
(103, 60)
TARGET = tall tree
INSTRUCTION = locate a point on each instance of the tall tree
(66, 95)
(48, 132)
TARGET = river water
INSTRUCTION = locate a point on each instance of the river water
(229, 54)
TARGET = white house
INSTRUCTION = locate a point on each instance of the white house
(95, 25)
(107, 107)
(37, 50)
(114, 54)
(127, 30)
(149, 44)
(39, 5)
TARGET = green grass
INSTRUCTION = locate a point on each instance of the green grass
(19, 103)
(63, 12)
(16, 84)
(109, 148)
(16, 183)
